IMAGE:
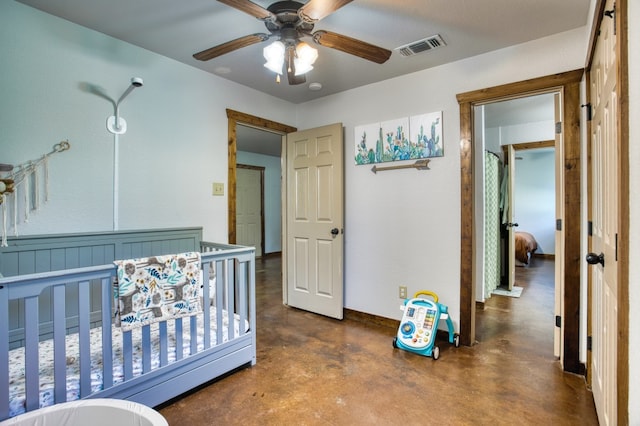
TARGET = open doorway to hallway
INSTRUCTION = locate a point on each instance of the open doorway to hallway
(516, 202)
(258, 190)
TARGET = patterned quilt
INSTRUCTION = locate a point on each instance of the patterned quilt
(157, 288)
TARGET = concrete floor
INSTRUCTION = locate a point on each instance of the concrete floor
(313, 370)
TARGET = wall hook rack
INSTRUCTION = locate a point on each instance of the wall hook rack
(418, 165)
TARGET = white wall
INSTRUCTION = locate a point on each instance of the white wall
(528, 132)
(403, 226)
(175, 146)
(272, 197)
(534, 196)
(634, 207)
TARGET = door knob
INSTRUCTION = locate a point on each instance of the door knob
(335, 231)
(510, 224)
(594, 259)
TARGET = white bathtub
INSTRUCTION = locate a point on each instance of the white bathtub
(94, 412)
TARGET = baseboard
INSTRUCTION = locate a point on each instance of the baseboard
(272, 254)
(371, 319)
(545, 256)
(364, 317)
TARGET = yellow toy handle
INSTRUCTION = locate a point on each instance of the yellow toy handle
(427, 293)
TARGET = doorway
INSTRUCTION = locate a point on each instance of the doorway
(250, 212)
(569, 85)
(516, 201)
(236, 119)
(260, 153)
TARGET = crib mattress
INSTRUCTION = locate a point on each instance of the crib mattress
(17, 365)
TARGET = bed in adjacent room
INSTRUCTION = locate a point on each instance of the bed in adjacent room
(526, 245)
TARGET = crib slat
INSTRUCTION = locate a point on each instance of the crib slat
(242, 295)
(221, 279)
(146, 349)
(193, 331)
(59, 347)
(4, 352)
(206, 302)
(84, 325)
(164, 344)
(31, 352)
(179, 350)
(127, 355)
(107, 338)
(231, 291)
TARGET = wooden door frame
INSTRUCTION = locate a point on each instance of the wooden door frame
(234, 118)
(568, 84)
(261, 170)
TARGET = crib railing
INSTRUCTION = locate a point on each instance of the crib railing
(234, 294)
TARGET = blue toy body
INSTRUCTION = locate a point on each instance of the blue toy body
(419, 325)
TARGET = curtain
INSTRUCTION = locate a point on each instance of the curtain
(491, 224)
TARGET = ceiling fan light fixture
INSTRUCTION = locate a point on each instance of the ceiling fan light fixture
(304, 59)
(302, 68)
(306, 53)
(274, 54)
(275, 66)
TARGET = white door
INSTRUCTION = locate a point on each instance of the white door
(511, 176)
(314, 227)
(249, 208)
(604, 215)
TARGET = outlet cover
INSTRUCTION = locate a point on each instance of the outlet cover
(218, 188)
(402, 292)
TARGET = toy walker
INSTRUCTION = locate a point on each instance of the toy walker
(419, 325)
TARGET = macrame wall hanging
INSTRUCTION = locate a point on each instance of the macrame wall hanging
(24, 189)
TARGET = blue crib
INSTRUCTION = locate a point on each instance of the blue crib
(58, 341)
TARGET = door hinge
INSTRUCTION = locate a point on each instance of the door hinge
(590, 228)
(616, 247)
(588, 110)
(558, 321)
(558, 127)
(612, 14)
(558, 224)
(589, 343)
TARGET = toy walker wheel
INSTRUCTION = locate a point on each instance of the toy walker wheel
(456, 340)
(436, 353)
(395, 342)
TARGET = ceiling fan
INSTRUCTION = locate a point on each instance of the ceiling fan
(288, 22)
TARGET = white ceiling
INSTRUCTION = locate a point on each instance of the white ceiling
(178, 29)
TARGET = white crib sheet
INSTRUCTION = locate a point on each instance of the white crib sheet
(17, 366)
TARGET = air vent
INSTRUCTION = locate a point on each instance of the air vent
(423, 45)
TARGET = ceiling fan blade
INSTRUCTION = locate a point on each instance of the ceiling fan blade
(352, 46)
(230, 46)
(315, 10)
(250, 8)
